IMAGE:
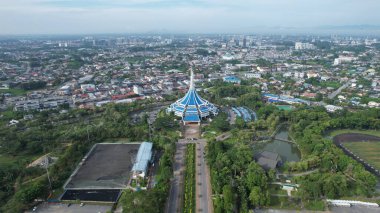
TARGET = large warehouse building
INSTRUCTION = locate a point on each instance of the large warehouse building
(106, 170)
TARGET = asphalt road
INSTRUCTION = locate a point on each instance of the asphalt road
(203, 184)
(336, 92)
(174, 203)
(354, 209)
(203, 187)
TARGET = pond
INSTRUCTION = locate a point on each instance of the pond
(287, 151)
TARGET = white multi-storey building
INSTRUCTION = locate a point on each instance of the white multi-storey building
(304, 46)
(138, 90)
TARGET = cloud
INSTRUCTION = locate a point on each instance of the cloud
(107, 4)
(123, 16)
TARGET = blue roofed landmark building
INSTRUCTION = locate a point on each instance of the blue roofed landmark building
(192, 108)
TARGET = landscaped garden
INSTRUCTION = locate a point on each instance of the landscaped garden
(189, 200)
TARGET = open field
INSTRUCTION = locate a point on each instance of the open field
(342, 131)
(285, 107)
(283, 203)
(15, 92)
(364, 148)
(368, 151)
(6, 159)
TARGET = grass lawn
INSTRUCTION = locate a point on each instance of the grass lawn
(333, 84)
(295, 204)
(15, 92)
(276, 189)
(368, 151)
(284, 203)
(315, 205)
(6, 159)
(57, 193)
(285, 107)
(342, 131)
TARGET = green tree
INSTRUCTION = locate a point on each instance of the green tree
(258, 197)
(228, 197)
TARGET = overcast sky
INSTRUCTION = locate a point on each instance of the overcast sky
(181, 16)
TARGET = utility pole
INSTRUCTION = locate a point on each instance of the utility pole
(47, 171)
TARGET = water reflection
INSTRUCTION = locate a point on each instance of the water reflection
(287, 151)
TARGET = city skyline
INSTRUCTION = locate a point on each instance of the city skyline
(195, 16)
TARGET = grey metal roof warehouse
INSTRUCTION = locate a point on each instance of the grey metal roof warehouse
(143, 157)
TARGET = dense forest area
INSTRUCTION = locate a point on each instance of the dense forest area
(238, 182)
(242, 184)
(339, 174)
(32, 85)
(67, 136)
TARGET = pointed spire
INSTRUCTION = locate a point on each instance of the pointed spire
(192, 79)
